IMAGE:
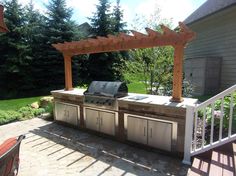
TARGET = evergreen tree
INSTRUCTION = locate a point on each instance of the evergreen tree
(33, 26)
(35, 37)
(14, 61)
(104, 66)
(118, 25)
(49, 63)
(101, 21)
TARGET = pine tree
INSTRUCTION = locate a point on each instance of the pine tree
(118, 25)
(33, 26)
(104, 66)
(35, 37)
(49, 64)
(14, 61)
(101, 21)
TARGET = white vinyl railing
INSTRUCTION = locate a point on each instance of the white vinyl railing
(210, 124)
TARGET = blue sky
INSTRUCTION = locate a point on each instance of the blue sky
(177, 10)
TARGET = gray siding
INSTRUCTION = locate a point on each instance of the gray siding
(216, 37)
(203, 74)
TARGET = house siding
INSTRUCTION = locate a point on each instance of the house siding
(216, 37)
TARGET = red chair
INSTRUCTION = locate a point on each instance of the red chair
(9, 156)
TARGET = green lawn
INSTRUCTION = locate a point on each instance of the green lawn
(15, 104)
(137, 87)
(134, 87)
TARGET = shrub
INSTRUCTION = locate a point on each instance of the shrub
(9, 116)
(226, 112)
(28, 112)
(49, 108)
(45, 101)
(47, 104)
(187, 89)
(217, 113)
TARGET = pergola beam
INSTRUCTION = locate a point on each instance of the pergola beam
(124, 42)
(115, 45)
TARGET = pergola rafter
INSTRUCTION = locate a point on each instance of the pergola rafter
(124, 41)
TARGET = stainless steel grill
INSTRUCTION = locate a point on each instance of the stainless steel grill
(104, 94)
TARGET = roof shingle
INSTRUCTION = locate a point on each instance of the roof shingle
(208, 8)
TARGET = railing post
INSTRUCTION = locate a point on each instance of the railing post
(188, 134)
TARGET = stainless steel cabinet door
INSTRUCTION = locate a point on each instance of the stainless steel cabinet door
(159, 135)
(107, 122)
(92, 119)
(137, 129)
(60, 112)
(72, 112)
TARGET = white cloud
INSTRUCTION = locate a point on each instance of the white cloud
(82, 9)
(127, 14)
(177, 10)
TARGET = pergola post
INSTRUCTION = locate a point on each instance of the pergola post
(68, 72)
(3, 27)
(178, 73)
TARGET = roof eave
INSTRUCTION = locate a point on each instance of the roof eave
(204, 17)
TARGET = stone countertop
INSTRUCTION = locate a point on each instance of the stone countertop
(76, 92)
(134, 98)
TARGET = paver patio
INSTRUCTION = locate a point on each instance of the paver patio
(51, 149)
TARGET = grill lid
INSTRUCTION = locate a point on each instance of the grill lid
(107, 89)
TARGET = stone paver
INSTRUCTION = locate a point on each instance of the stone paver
(51, 149)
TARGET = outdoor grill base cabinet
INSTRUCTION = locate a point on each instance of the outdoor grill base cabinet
(67, 113)
(106, 109)
(154, 133)
(137, 129)
(101, 121)
(159, 135)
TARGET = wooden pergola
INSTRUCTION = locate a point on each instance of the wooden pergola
(124, 41)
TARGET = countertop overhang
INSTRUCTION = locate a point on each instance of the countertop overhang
(158, 100)
(149, 99)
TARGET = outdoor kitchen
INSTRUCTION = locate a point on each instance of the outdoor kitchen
(107, 108)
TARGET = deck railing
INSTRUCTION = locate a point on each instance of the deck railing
(210, 124)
